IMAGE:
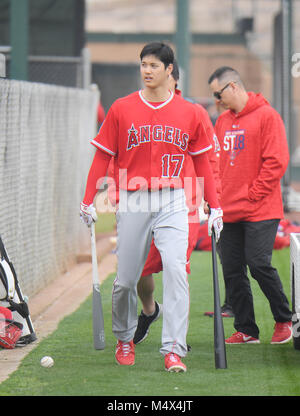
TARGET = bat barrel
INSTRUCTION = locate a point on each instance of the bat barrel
(98, 319)
(219, 338)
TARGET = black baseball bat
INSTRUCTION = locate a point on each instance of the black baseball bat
(219, 338)
(98, 320)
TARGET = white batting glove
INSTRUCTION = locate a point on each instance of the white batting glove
(88, 214)
(215, 220)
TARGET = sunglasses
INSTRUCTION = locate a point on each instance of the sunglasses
(217, 94)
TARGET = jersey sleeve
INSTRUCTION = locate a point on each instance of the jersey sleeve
(96, 176)
(107, 137)
(200, 142)
(203, 170)
(214, 153)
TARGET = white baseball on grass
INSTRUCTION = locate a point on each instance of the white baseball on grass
(47, 361)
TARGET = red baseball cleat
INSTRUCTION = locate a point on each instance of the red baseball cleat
(125, 353)
(173, 363)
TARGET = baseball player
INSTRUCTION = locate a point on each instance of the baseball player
(150, 133)
(151, 310)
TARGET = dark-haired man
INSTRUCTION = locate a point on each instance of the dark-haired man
(253, 158)
(151, 309)
(150, 133)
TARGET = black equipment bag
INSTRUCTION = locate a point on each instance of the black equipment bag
(12, 298)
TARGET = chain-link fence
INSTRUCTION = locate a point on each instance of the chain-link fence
(69, 71)
(44, 160)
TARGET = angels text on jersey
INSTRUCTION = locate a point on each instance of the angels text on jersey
(157, 133)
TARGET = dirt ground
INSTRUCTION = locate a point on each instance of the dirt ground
(60, 298)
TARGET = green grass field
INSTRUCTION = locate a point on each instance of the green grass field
(79, 370)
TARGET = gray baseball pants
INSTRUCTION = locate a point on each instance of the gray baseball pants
(141, 216)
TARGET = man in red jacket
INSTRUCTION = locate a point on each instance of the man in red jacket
(254, 156)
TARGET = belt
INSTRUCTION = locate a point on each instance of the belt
(160, 189)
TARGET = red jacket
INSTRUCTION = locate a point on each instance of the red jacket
(254, 157)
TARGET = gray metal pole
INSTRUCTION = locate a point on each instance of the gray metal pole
(2, 66)
(183, 41)
(19, 16)
(87, 68)
(286, 6)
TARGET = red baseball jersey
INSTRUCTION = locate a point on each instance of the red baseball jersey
(151, 142)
